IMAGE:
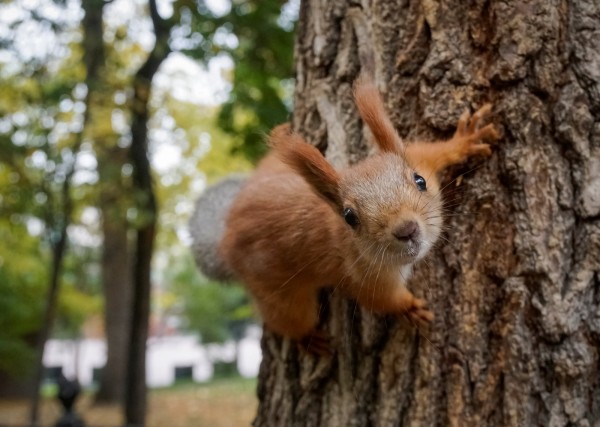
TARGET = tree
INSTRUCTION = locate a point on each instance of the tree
(514, 286)
(112, 202)
(135, 394)
(59, 220)
(116, 273)
(32, 170)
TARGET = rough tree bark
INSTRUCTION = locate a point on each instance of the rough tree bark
(516, 286)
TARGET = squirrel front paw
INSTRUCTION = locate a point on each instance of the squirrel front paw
(470, 136)
(412, 308)
(418, 312)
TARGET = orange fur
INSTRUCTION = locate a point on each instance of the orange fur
(308, 162)
(371, 109)
(286, 235)
(430, 158)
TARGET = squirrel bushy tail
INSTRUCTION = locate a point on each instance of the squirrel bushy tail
(207, 226)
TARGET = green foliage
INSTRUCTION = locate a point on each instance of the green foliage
(258, 36)
(223, 370)
(213, 309)
(263, 68)
(22, 280)
(75, 307)
(216, 311)
(80, 296)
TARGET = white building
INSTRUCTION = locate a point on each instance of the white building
(166, 356)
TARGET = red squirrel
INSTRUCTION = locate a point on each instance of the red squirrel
(298, 225)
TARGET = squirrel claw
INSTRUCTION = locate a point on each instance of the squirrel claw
(478, 116)
(316, 343)
(421, 317)
(418, 313)
(487, 132)
(469, 136)
(468, 125)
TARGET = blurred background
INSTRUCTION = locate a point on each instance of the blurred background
(80, 83)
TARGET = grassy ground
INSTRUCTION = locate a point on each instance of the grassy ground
(220, 403)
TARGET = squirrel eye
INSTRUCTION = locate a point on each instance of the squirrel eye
(420, 181)
(351, 217)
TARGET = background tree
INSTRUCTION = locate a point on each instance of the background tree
(58, 221)
(45, 162)
(514, 286)
(143, 189)
(111, 198)
(55, 121)
(262, 57)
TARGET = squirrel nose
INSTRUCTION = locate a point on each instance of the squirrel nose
(406, 231)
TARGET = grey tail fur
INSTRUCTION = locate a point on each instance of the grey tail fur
(207, 226)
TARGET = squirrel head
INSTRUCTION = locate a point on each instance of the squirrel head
(393, 212)
(391, 209)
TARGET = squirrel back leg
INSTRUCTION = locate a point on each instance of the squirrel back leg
(294, 313)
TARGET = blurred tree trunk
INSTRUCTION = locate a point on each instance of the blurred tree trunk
(58, 222)
(58, 246)
(516, 287)
(135, 398)
(116, 273)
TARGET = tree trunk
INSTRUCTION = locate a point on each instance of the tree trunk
(59, 221)
(116, 275)
(135, 398)
(59, 246)
(515, 288)
(116, 269)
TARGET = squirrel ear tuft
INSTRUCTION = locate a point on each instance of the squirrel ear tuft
(312, 166)
(371, 109)
(280, 134)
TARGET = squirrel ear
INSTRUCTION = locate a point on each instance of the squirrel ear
(370, 106)
(280, 134)
(312, 166)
